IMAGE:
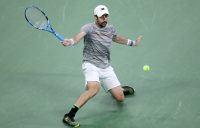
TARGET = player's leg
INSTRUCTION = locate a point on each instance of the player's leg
(92, 83)
(111, 83)
(120, 92)
(117, 93)
(92, 88)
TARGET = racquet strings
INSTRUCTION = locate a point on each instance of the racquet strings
(36, 18)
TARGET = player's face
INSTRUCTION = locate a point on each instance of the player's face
(102, 21)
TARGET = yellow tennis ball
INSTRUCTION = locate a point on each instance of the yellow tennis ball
(146, 68)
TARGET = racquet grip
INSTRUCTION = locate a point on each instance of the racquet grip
(59, 37)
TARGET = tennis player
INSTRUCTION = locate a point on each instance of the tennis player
(98, 72)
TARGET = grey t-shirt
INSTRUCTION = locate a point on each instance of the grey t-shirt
(97, 44)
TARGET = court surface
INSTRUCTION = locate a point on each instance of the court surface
(40, 79)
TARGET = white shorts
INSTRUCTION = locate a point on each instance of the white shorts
(106, 77)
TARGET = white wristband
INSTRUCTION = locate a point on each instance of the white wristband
(131, 42)
(72, 41)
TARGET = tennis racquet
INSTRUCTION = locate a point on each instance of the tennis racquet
(39, 20)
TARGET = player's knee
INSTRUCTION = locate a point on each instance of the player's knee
(119, 98)
(93, 89)
(117, 94)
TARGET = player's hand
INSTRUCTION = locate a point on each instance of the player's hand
(138, 40)
(68, 42)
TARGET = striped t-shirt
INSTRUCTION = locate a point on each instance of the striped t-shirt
(97, 44)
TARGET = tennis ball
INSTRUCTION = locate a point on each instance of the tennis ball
(146, 68)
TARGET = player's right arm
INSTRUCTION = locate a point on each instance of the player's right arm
(76, 39)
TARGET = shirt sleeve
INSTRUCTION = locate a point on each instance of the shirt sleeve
(114, 33)
(85, 28)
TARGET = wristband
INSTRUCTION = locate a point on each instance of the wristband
(72, 41)
(131, 42)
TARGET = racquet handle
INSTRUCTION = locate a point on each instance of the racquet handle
(59, 37)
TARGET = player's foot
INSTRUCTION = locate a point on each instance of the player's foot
(128, 90)
(70, 121)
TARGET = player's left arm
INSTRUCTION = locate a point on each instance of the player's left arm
(122, 40)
